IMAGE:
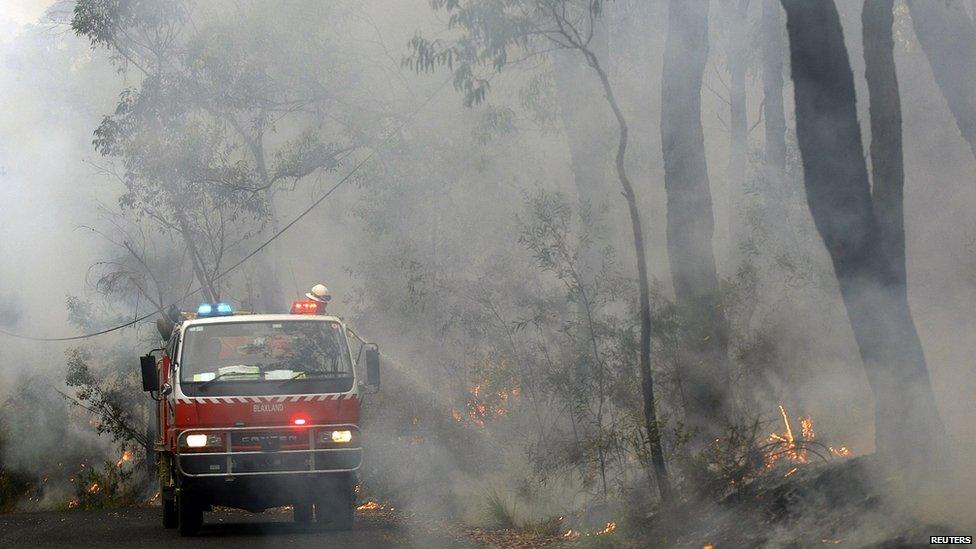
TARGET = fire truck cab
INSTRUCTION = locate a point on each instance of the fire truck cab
(255, 411)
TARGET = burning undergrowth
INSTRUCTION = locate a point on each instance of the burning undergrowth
(773, 483)
(797, 502)
(110, 485)
(757, 450)
(52, 458)
(837, 503)
(47, 456)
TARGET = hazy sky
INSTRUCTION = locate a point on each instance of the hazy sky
(48, 185)
(23, 11)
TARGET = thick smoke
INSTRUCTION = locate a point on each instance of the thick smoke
(425, 249)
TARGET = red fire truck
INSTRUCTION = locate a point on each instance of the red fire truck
(255, 411)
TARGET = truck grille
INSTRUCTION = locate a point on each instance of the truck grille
(272, 451)
(268, 441)
(272, 463)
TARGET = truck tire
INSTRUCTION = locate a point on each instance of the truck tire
(302, 512)
(190, 514)
(170, 518)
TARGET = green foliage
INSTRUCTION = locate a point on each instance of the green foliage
(500, 511)
(111, 487)
(491, 35)
(587, 354)
(173, 158)
(728, 464)
(537, 98)
(88, 316)
(109, 23)
(41, 449)
(216, 123)
(111, 394)
(495, 121)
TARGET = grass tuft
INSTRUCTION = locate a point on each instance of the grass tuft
(500, 511)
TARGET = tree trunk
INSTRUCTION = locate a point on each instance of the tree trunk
(772, 73)
(655, 447)
(690, 225)
(272, 296)
(887, 164)
(738, 28)
(269, 269)
(907, 424)
(208, 290)
(948, 38)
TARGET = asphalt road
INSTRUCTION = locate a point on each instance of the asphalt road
(225, 528)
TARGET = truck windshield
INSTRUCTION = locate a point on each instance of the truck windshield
(243, 353)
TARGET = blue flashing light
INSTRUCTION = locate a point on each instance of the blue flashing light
(214, 309)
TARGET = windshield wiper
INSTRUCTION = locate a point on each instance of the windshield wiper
(206, 384)
(305, 375)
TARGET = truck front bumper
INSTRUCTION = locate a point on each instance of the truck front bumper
(261, 456)
(259, 492)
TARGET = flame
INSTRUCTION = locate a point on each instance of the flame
(370, 505)
(608, 529)
(483, 404)
(787, 446)
(94, 488)
(708, 546)
(72, 504)
(806, 428)
(126, 456)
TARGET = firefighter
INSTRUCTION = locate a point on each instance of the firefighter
(321, 294)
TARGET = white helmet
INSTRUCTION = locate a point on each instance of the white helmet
(319, 293)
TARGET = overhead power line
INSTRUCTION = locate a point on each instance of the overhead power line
(70, 338)
(271, 239)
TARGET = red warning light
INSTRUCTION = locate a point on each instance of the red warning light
(299, 421)
(306, 307)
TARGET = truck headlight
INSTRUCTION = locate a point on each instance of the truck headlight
(196, 441)
(202, 440)
(338, 437)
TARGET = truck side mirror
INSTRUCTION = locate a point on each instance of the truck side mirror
(372, 366)
(150, 376)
